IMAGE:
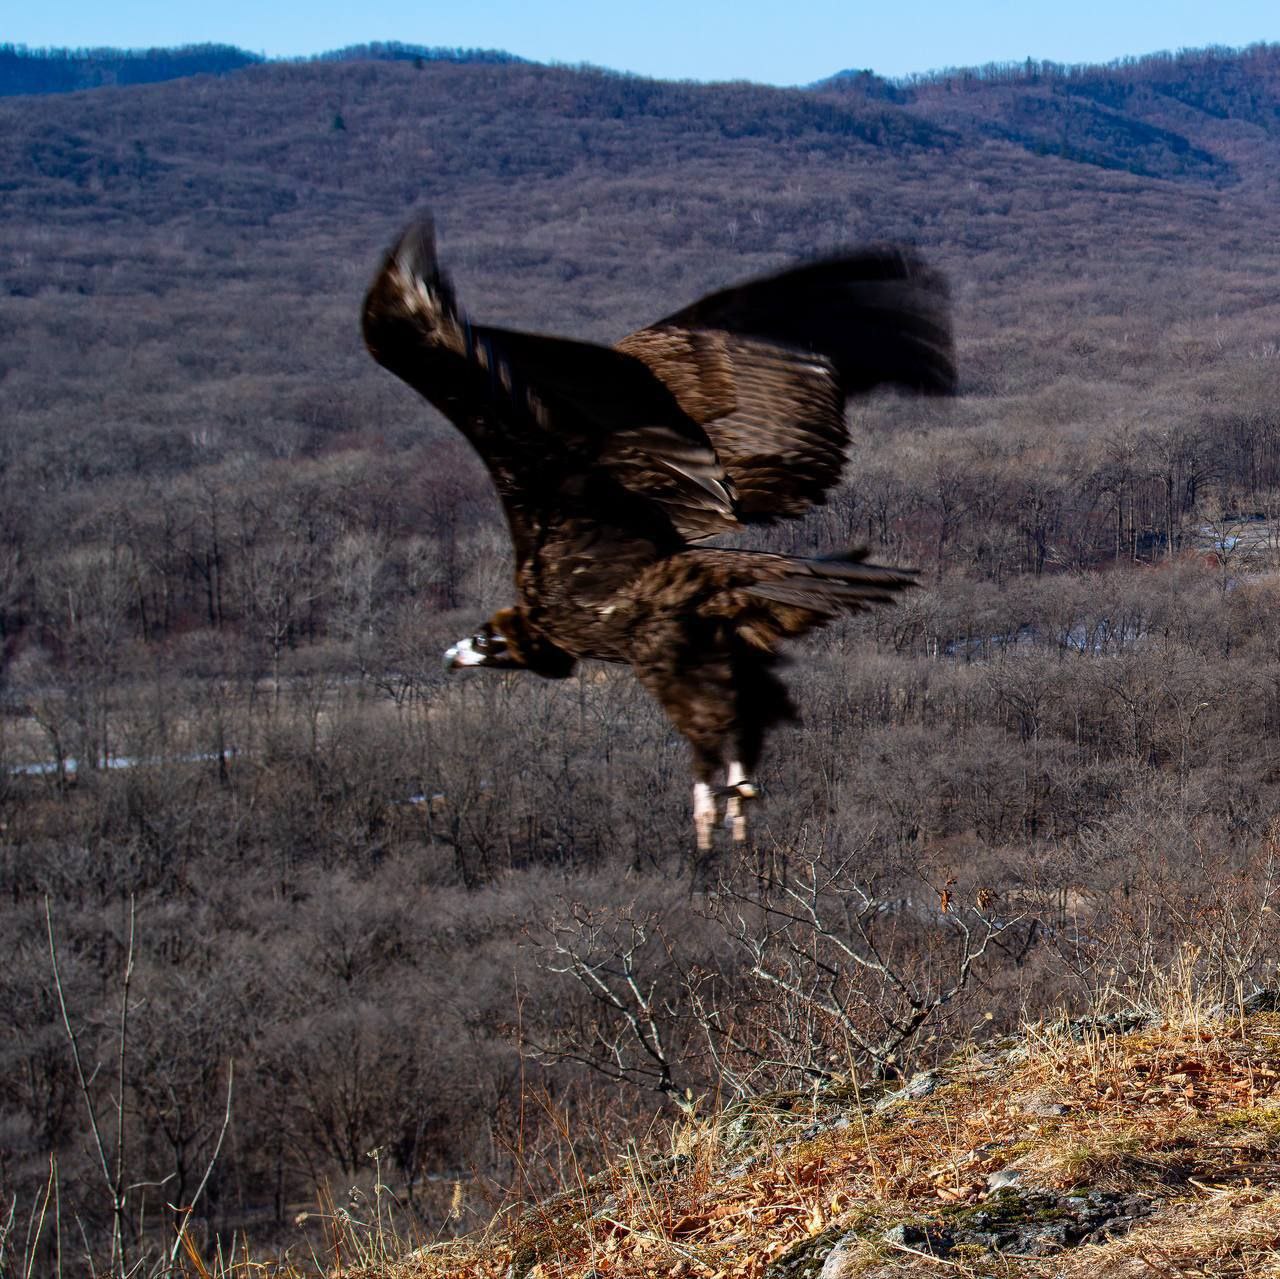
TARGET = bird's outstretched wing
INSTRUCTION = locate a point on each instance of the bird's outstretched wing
(786, 351)
(555, 421)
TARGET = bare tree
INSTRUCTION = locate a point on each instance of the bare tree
(848, 974)
(626, 966)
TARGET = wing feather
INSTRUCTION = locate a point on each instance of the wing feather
(765, 367)
(730, 410)
(546, 414)
(881, 315)
(627, 419)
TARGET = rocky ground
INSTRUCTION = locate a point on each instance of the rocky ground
(1145, 1147)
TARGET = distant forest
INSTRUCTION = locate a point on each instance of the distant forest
(24, 70)
(293, 874)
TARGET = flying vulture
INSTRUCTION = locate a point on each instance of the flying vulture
(613, 463)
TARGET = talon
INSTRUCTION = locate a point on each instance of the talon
(735, 819)
(706, 800)
(739, 790)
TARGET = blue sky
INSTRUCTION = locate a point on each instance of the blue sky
(774, 41)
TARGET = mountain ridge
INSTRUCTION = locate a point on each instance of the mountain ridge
(1201, 116)
(68, 70)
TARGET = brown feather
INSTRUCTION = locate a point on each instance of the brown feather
(610, 460)
(794, 347)
(880, 314)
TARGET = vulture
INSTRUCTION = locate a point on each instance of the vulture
(614, 463)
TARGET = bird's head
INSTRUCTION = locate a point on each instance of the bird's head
(487, 647)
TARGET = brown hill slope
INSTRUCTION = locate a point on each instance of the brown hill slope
(578, 201)
(1201, 116)
(1077, 1151)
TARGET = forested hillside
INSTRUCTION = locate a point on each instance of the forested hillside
(391, 911)
(24, 70)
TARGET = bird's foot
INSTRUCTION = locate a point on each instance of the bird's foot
(739, 790)
(706, 804)
(735, 794)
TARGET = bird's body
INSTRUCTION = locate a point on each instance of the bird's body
(612, 462)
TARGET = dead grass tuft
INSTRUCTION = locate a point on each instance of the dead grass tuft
(1181, 1119)
(1228, 1234)
(1182, 1115)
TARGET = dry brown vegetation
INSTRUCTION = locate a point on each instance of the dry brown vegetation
(450, 922)
(1069, 1150)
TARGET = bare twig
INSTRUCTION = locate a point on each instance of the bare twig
(817, 944)
(113, 1183)
(609, 970)
(126, 981)
(190, 1208)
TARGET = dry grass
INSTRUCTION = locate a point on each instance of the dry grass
(1226, 1233)
(1185, 1115)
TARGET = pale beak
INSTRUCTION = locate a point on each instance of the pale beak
(463, 653)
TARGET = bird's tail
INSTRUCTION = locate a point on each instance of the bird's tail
(769, 598)
(842, 582)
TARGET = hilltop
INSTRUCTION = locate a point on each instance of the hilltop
(24, 70)
(1205, 115)
(1197, 115)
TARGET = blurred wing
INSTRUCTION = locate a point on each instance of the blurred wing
(793, 347)
(879, 315)
(548, 416)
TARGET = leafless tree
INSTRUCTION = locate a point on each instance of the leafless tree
(849, 976)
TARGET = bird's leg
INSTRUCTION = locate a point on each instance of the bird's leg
(738, 789)
(734, 818)
(704, 814)
(706, 764)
